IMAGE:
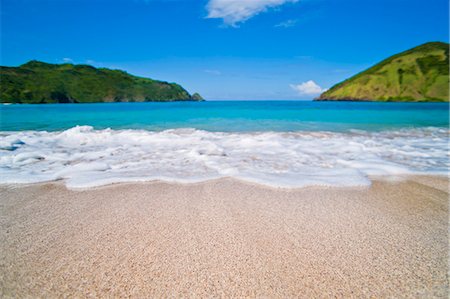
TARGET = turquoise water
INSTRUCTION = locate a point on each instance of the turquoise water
(281, 144)
(230, 116)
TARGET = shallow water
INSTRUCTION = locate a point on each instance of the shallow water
(230, 116)
(286, 144)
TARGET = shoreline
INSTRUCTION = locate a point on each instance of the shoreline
(422, 178)
(225, 237)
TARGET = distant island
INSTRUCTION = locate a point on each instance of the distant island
(420, 74)
(38, 82)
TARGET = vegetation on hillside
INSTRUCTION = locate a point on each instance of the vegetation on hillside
(417, 75)
(39, 82)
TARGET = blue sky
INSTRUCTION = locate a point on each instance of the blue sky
(223, 49)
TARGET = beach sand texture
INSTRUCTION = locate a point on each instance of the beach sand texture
(225, 238)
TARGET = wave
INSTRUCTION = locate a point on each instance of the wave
(85, 157)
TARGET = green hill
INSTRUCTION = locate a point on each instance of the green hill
(39, 82)
(418, 75)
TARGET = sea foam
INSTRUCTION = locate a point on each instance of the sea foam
(84, 157)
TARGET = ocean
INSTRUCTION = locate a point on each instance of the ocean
(276, 143)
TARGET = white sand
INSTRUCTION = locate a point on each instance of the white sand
(225, 238)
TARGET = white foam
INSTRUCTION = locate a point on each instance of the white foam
(85, 157)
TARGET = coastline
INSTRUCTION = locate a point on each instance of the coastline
(379, 101)
(225, 238)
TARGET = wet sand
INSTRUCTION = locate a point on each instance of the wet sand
(225, 238)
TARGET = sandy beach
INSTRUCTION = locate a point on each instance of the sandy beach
(225, 238)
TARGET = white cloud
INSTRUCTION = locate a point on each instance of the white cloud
(236, 11)
(67, 60)
(287, 24)
(308, 88)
